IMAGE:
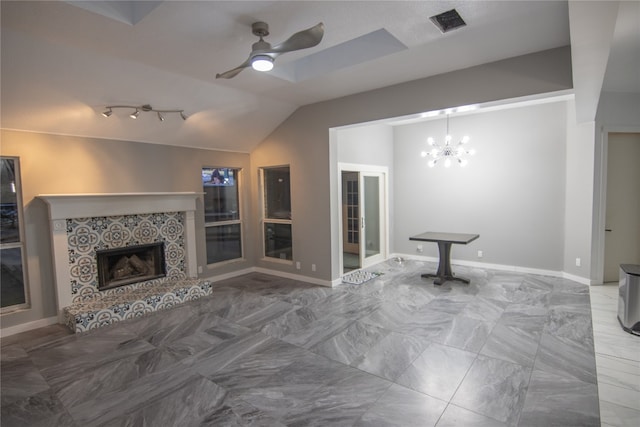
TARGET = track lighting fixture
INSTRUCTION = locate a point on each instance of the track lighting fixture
(145, 108)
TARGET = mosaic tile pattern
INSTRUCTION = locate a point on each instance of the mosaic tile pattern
(147, 297)
(88, 235)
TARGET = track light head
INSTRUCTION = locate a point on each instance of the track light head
(160, 116)
(184, 116)
(135, 114)
(108, 112)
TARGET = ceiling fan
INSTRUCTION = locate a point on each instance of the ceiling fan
(263, 54)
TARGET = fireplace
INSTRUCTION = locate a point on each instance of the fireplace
(80, 223)
(131, 264)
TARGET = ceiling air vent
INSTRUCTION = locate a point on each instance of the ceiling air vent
(449, 20)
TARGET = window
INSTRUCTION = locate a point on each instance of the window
(13, 281)
(277, 213)
(223, 226)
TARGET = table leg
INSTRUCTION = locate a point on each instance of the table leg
(444, 272)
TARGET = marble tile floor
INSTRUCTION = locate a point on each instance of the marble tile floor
(507, 350)
(617, 361)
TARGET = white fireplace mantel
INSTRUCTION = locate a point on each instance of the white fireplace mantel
(69, 206)
(64, 206)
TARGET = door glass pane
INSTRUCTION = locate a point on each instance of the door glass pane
(220, 194)
(277, 241)
(372, 215)
(223, 243)
(277, 193)
(9, 220)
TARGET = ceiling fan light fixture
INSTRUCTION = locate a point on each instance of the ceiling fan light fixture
(262, 63)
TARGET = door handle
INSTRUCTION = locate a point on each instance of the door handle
(362, 223)
(608, 229)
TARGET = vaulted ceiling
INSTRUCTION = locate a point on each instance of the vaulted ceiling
(63, 62)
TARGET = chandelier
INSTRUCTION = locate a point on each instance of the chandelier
(146, 108)
(448, 152)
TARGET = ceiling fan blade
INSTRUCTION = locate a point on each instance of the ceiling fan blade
(301, 40)
(234, 72)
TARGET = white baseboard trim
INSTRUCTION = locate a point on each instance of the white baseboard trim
(578, 279)
(24, 327)
(292, 276)
(502, 267)
(230, 275)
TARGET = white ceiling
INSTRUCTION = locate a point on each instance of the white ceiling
(61, 64)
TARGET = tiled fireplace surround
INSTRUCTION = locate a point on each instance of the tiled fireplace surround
(81, 224)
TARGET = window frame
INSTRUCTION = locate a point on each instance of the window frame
(20, 244)
(267, 220)
(239, 221)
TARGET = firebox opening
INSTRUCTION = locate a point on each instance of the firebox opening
(123, 266)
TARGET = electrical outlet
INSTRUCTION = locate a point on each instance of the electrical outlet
(298, 265)
(313, 267)
(419, 248)
(200, 269)
(578, 262)
(479, 254)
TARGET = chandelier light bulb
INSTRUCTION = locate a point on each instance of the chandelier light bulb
(423, 154)
(430, 141)
(464, 140)
(431, 163)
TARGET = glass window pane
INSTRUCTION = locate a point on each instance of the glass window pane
(220, 194)
(9, 220)
(11, 277)
(223, 243)
(277, 193)
(277, 241)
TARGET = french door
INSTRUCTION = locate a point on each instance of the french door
(363, 218)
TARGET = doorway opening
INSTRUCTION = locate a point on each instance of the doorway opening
(364, 216)
(622, 207)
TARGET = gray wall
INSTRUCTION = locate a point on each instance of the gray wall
(512, 191)
(306, 141)
(52, 164)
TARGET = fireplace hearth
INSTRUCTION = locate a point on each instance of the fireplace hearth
(132, 264)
